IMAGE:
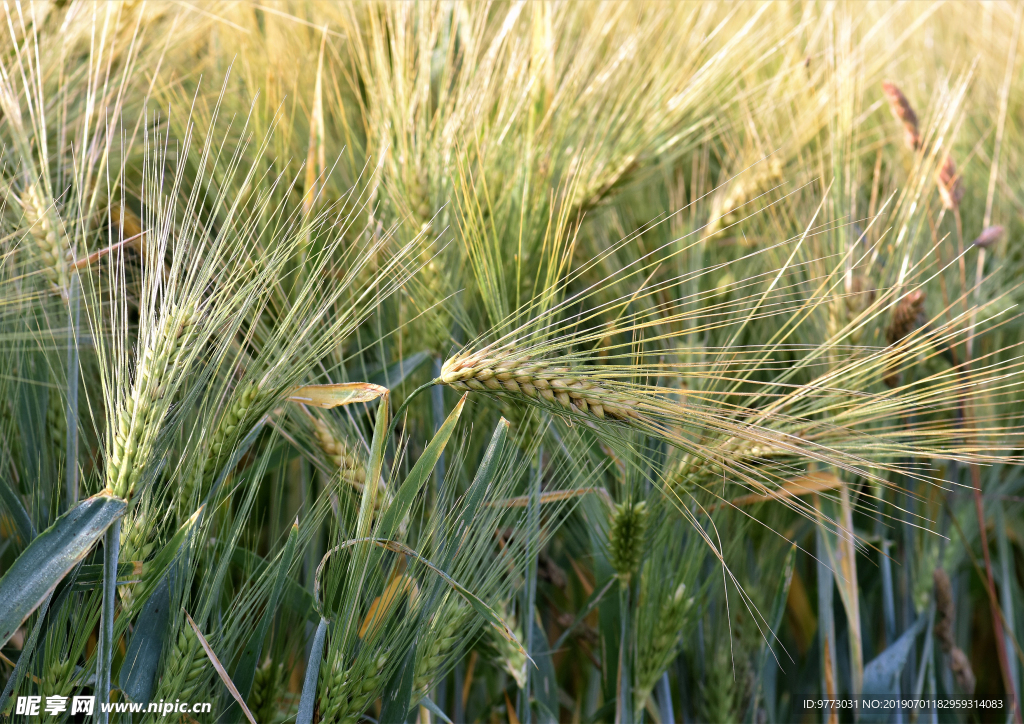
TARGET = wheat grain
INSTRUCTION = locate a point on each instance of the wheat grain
(227, 430)
(58, 678)
(353, 469)
(137, 543)
(431, 658)
(505, 372)
(509, 657)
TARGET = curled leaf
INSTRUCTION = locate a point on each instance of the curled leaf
(343, 393)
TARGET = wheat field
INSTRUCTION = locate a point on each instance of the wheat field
(511, 362)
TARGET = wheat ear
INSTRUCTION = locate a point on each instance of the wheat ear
(506, 372)
(43, 228)
(140, 414)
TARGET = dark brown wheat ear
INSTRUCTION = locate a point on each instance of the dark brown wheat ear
(945, 617)
(904, 112)
(908, 316)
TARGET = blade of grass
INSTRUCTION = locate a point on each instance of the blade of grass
(137, 677)
(307, 700)
(374, 464)
(530, 594)
(398, 693)
(418, 476)
(665, 699)
(434, 709)
(1006, 591)
(826, 624)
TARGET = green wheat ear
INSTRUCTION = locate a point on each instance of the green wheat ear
(266, 687)
(43, 228)
(626, 531)
(184, 669)
(349, 691)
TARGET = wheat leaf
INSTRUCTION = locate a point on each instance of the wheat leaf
(398, 693)
(307, 701)
(418, 475)
(373, 466)
(246, 669)
(336, 395)
(138, 672)
(50, 556)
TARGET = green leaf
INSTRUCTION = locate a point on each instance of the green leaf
(544, 685)
(485, 473)
(245, 672)
(434, 709)
(882, 674)
(418, 476)
(23, 527)
(398, 693)
(49, 557)
(307, 701)
(373, 467)
(138, 672)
